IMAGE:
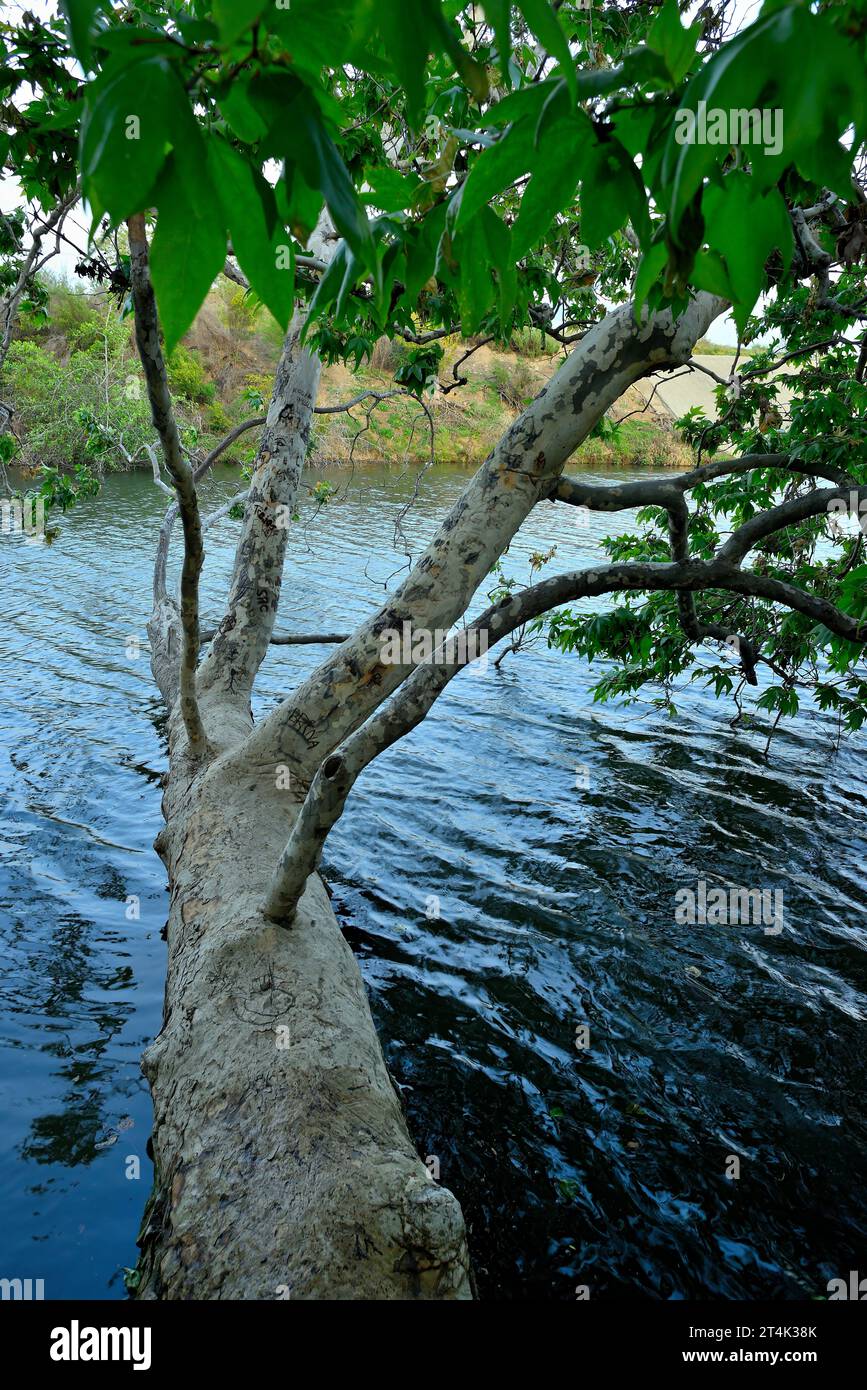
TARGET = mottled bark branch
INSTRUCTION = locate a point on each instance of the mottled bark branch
(695, 630)
(669, 494)
(296, 639)
(523, 468)
(742, 541)
(243, 636)
(153, 363)
(337, 774)
(662, 492)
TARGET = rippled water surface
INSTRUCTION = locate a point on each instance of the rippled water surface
(603, 1166)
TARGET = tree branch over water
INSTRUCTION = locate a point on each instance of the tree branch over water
(180, 471)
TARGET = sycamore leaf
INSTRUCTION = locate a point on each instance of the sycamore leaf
(674, 43)
(261, 244)
(126, 133)
(729, 208)
(79, 18)
(544, 23)
(650, 268)
(234, 16)
(189, 245)
(495, 168)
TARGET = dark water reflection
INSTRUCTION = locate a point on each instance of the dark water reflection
(603, 1166)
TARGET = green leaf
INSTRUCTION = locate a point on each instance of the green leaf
(495, 168)
(476, 288)
(299, 204)
(732, 207)
(247, 122)
(126, 132)
(312, 43)
(763, 69)
(328, 288)
(546, 26)
(261, 244)
(612, 192)
(405, 29)
(472, 73)
(498, 13)
(189, 245)
(484, 260)
(421, 253)
(709, 273)
(650, 268)
(322, 167)
(502, 260)
(234, 16)
(672, 42)
(733, 79)
(525, 101)
(391, 191)
(79, 17)
(558, 165)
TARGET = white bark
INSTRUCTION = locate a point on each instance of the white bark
(242, 638)
(522, 469)
(292, 1168)
(277, 1167)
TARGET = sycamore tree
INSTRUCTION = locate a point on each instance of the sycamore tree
(618, 175)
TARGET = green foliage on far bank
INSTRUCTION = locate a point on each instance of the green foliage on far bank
(76, 384)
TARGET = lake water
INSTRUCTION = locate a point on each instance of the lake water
(603, 1166)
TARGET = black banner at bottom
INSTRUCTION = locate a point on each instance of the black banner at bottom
(81, 1338)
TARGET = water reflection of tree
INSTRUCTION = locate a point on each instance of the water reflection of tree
(86, 1030)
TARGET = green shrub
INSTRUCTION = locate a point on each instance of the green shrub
(514, 382)
(533, 342)
(72, 315)
(218, 419)
(187, 377)
(71, 413)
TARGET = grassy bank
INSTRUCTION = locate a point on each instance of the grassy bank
(74, 380)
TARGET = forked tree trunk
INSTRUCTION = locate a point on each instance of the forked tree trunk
(283, 1164)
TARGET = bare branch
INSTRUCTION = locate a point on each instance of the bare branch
(31, 264)
(356, 400)
(338, 772)
(742, 541)
(660, 492)
(296, 639)
(153, 363)
(234, 272)
(523, 468)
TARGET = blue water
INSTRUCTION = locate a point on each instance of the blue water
(603, 1166)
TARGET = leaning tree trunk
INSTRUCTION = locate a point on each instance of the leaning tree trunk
(283, 1164)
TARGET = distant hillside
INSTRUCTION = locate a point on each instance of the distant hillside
(74, 379)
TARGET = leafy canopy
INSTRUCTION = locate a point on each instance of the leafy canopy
(491, 168)
(463, 154)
